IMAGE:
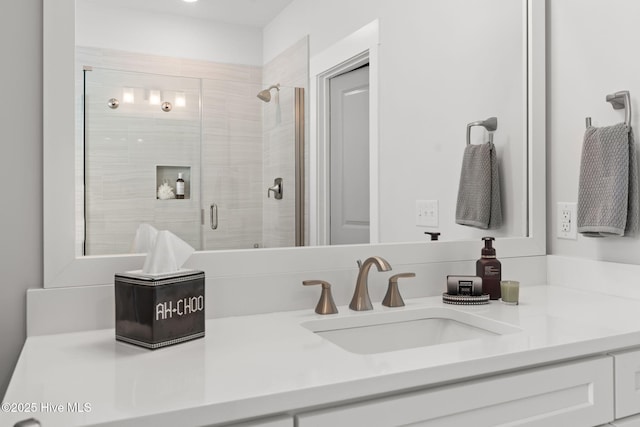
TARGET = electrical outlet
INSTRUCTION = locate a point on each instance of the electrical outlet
(427, 213)
(567, 221)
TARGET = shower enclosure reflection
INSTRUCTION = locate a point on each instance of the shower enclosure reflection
(416, 143)
(226, 145)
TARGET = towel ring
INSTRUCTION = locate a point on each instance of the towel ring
(618, 101)
(491, 124)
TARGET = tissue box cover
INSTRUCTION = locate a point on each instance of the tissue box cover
(155, 311)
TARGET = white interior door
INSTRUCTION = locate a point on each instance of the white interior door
(349, 157)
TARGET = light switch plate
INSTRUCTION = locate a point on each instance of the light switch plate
(427, 213)
(567, 217)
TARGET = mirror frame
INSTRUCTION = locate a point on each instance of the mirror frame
(62, 268)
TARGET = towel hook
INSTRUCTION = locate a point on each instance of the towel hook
(491, 124)
(618, 100)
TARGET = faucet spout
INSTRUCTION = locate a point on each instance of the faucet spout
(361, 300)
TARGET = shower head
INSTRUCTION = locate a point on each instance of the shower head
(265, 94)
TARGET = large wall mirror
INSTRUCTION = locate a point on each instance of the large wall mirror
(430, 69)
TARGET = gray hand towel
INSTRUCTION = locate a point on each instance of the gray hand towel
(479, 202)
(608, 188)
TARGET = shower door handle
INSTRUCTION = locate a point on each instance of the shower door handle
(213, 213)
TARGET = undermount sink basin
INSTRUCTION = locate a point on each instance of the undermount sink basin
(381, 332)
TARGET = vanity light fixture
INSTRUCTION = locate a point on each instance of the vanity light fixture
(127, 95)
(154, 97)
(181, 99)
(113, 103)
(189, 1)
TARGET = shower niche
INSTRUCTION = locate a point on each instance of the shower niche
(227, 143)
(169, 175)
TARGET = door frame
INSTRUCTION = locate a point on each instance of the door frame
(353, 51)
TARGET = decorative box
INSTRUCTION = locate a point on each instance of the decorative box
(155, 311)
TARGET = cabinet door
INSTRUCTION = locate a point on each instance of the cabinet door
(627, 383)
(571, 394)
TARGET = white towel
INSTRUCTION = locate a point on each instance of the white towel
(608, 187)
(479, 203)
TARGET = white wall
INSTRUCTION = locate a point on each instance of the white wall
(592, 51)
(161, 34)
(434, 79)
(20, 172)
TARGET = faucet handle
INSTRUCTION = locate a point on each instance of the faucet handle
(393, 298)
(325, 304)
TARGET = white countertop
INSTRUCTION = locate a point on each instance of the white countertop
(265, 364)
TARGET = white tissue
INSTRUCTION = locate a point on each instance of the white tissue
(168, 255)
(145, 239)
(166, 252)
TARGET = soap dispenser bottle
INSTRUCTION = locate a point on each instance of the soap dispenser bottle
(489, 269)
(180, 187)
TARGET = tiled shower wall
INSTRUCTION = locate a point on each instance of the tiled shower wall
(128, 147)
(290, 69)
(234, 129)
(232, 159)
(245, 145)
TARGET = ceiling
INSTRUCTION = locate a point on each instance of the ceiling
(254, 13)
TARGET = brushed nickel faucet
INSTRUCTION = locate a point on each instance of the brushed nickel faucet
(393, 297)
(325, 304)
(361, 300)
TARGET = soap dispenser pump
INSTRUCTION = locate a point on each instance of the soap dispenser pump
(489, 269)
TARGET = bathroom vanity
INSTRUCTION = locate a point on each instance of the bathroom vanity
(562, 356)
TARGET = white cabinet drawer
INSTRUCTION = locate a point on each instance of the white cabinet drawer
(571, 394)
(627, 422)
(627, 383)
(279, 421)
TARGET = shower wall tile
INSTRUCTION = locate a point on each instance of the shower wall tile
(125, 153)
(122, 60)
(226, 72)
(245, 145)
(232, 151)
(242, 229)
(124, 149)
(279, 158)
(125, 182)
(166, 65)
(114, 223)
(290, 69)
(182, 217)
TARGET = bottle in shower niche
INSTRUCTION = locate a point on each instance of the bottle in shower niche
(489, 269)
(180, 187)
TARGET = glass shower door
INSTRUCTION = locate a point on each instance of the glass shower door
(248, 142)
(140, 132)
